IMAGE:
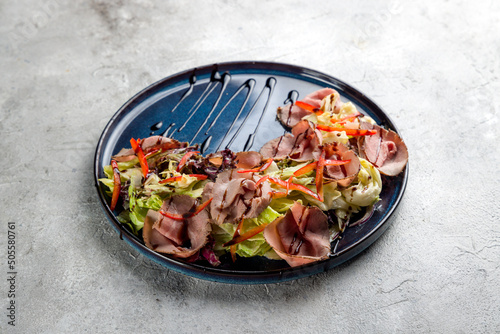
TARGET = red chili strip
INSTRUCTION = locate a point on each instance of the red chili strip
(260, 169)
(140, 155)
(172, 215)
(117, 185)
(185, 158)
(309, 107)
(349, 132)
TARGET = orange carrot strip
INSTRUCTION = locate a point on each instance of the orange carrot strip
(247, 235)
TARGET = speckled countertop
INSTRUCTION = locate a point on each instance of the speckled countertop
(433, 66)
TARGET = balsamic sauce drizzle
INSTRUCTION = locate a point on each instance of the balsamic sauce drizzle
(222, 81)
(226, 78)
(293, 95)
(250, 84)
(192, 81)
(214, 80)
(165, 134)
(270, 83)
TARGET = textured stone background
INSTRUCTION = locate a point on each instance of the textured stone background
(67, 66)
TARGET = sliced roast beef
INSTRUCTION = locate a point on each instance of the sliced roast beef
(385, 150)
(290, 115)
(235, 196)
(148, 145)
(343, 174)
(301, 145)
(181, 238)
(301, 236)
(247, 160)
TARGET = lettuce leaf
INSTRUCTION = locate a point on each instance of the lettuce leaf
(254, 246)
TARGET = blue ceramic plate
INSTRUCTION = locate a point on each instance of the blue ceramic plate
(234, 105)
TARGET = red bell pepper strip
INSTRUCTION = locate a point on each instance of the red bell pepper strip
(185, 158)
(117, 185)
(294, 186)
(277, 194)
(247, 235)
(260, 169)
(179, 177)
(173, 215)
(140, 155)
(199, 176)
(262, 179)
(312, 166)
(347, 118)
(309, 107)
(150, 153)
(202, 206)
(171, 179)
(349, 132)
(187, 215)
(306, 169)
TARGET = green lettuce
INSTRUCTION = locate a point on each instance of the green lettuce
(254, 246)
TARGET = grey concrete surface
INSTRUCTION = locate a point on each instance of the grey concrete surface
(67, 66)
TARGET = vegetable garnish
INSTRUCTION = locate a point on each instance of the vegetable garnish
(179, 177)
(309, 107)
(187, 215)
(293, 186)
(349, 118)
(349, 132)
(140, 155)
(150, 153)
(312, 166)
(202, 206)
(237, 231)
(247, 235)
(171, 179)
(319, 175)
(199, 176)
(278, 194)
(260, 169)
(117, 185)
(185, 158)
(262, 179)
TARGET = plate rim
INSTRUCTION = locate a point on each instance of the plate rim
(260, 276)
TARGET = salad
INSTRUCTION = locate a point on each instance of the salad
(289, 201)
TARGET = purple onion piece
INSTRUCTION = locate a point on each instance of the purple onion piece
(368, 214)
